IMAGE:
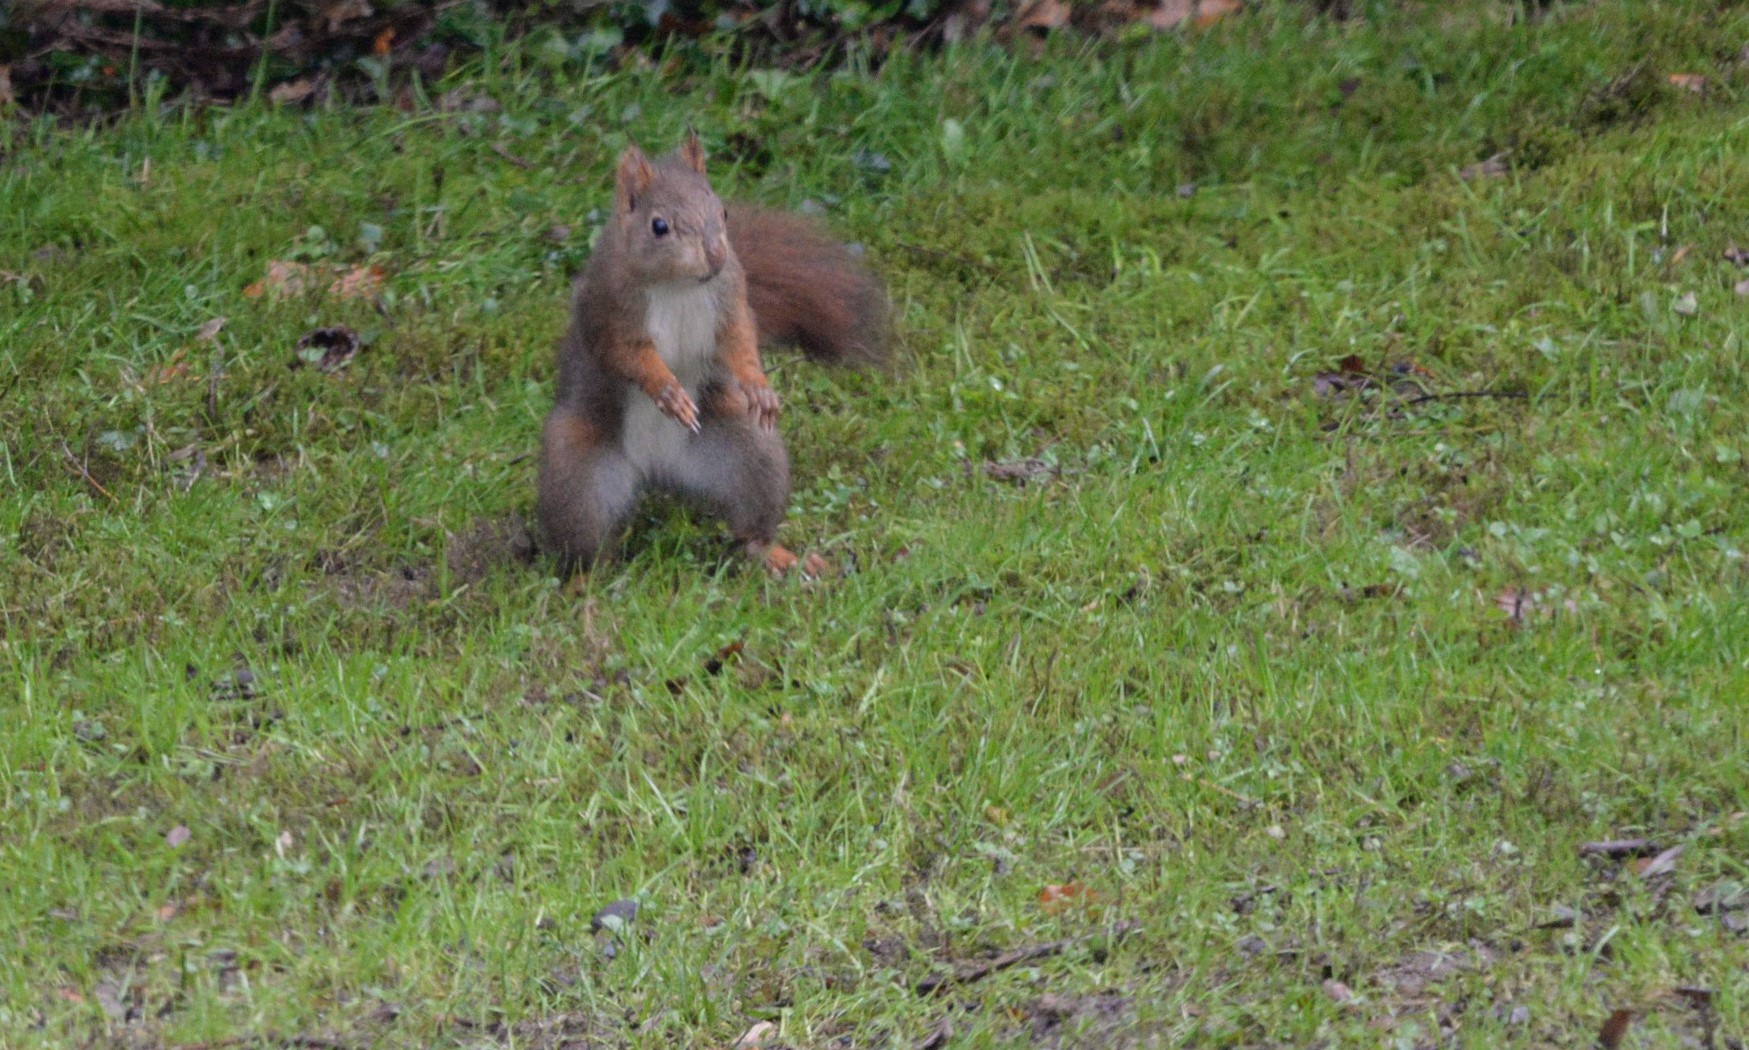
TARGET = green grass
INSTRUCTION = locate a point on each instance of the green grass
(1234, 659)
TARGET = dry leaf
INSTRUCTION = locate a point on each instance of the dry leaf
(1663, 864)
(1689, 81)
(1208, 12)
(210, 331)
(1609, 1037)
(166, 912)
(1492, 168)
(178, 835)
(360, 282)
(1044, 15)
(755, 1037)
(384, 40)
(1057, 898)
(1338, 992)
(1680, 254)
(175, 368)
(283, 280)
(291, 92)
(1686, 304)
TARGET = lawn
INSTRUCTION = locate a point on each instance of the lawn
(1284, 542)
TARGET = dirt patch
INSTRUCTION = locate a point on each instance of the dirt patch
(488, 543)
(1083, 1020)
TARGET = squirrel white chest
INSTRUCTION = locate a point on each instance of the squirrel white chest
(682, 321)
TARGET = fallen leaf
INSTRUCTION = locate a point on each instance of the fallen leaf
(755, 1036)
(726, 655)
(166, 912)
(1057, 898)
(1492, 168)
(1338, 992)
(178, 835)
(1663, 864)
(210, 331)
(328, 349)
(1169, 14)
(1208, 12)
(1043, 15)
(284, 280)
(1610, 1035)
(1687, 304)
(1737, 255)
(70, 995)
(1680, 254)
(1689, 82)
(360, 282)
(175, 368)
(384, 40)
(291, 92)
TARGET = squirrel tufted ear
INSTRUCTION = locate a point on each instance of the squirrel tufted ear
(692, 151)
(633, 177)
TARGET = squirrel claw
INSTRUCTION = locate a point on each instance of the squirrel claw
(762, 405)
(677, 405)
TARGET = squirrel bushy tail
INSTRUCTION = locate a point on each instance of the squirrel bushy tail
(808, 290)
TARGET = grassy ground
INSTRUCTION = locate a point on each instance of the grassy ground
(1310, 684)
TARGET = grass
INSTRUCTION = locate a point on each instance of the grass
(1319, 685)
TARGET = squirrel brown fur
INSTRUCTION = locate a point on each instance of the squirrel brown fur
(660, 383)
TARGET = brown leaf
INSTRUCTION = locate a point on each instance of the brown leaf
(1492, 168)
(1338, 992)
(1610, 1036)
(291, 92)
(175, 368)
(210, 331)
(1680, 254)
(284, 280)
(1057, 898)
(1689, 82)
(360, 282)
(327, 348)
(1208, 12)
(178, 835)
(1043, 15)
(755, 1036)
(1663, 864)
(383, 42)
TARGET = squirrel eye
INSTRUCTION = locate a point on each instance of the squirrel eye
(659, 227)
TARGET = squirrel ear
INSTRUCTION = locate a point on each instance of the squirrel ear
(633, 177)
(692, 151)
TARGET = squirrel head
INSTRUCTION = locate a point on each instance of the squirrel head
(671, 225)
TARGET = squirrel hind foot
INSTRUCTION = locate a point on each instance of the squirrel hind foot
(780, 561)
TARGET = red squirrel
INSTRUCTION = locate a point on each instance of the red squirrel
(660, 384)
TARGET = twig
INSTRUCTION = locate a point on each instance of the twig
(86, 474)
(520, 162)
(1454, 395)
(936, 983)
(1618, 848)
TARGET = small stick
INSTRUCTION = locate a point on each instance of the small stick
(1618, 848)
(520, 162)
(86, 474)
(936, 983)
(1454, 395)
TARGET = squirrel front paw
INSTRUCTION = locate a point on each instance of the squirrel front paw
(676, 404)
(761, 404)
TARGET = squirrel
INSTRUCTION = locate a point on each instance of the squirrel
(660, 384)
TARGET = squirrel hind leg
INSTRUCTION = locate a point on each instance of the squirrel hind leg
(740, 472)
(587, 490)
